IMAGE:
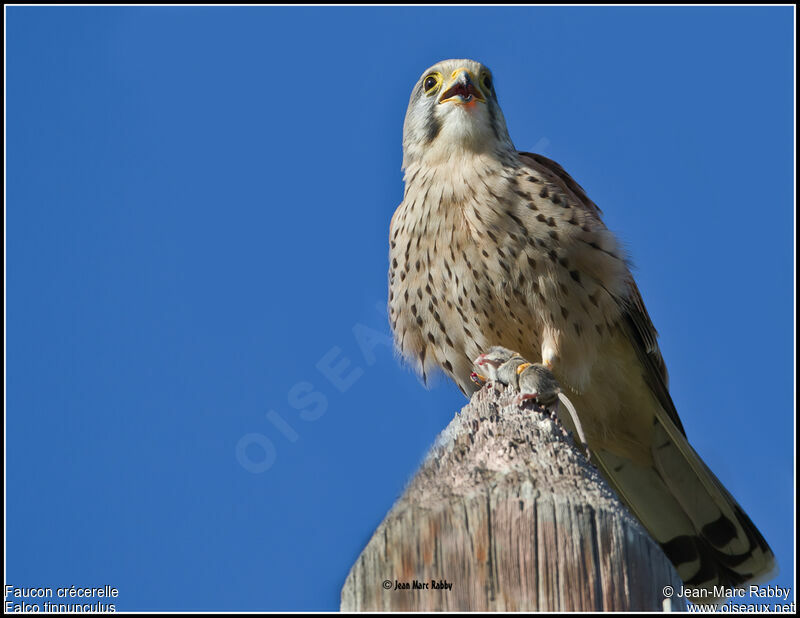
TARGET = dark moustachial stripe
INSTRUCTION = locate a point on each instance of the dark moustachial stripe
(493, 119)
(432, 126)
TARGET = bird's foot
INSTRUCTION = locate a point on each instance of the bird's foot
(534, 381)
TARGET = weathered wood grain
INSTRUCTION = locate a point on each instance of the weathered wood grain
(509, 512)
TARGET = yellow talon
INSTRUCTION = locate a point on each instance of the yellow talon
(522, 367)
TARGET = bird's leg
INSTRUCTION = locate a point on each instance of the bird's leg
(550, 352)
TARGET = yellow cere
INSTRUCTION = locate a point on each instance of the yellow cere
(461, 70)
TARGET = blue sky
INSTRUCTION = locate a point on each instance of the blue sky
(198, 203)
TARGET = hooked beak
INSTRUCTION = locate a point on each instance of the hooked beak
(461, 90)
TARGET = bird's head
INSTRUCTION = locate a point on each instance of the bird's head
(453, 107)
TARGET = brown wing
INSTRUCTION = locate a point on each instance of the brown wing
(700, 526)
(641, 332)
(644, 338)
(538, 162)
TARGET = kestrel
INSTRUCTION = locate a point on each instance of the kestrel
(492, 246)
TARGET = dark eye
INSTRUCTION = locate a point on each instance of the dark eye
(430, 83)
(487, 83)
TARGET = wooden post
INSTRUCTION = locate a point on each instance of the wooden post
(506, 514)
